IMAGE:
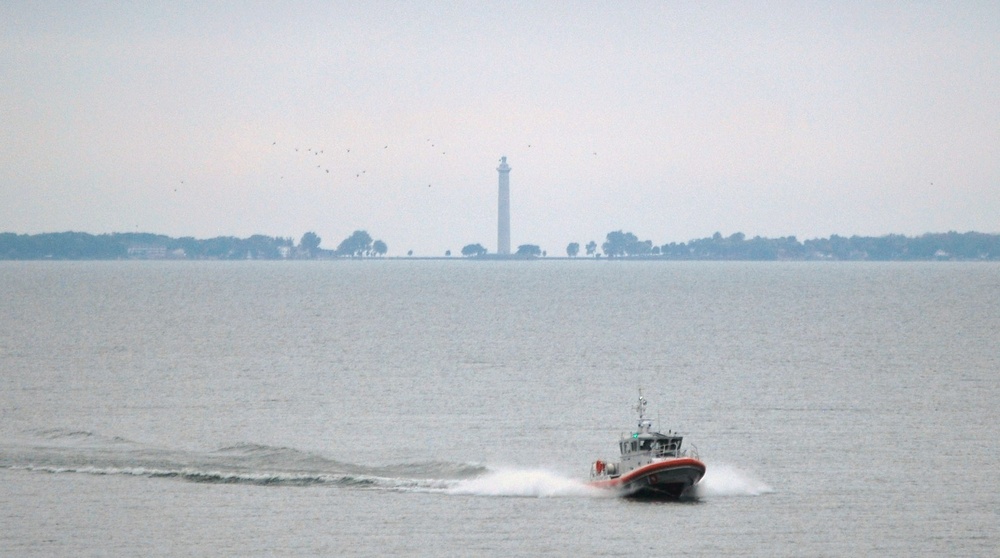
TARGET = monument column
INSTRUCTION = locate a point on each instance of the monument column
(503, 209)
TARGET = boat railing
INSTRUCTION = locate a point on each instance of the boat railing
(660, 451)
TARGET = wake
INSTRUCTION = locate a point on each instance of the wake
(67, 451)
(528, 483)
(725, 480)
(720, 481)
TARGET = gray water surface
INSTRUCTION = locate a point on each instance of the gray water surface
(453, 408)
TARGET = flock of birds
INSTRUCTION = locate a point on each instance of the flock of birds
(325, 165)
(343, 161)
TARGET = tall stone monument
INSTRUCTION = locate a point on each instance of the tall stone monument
(503, 209)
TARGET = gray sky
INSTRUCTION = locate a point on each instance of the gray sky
(670, 120)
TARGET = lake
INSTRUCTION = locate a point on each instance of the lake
(453, 408)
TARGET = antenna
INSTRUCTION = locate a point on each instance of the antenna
(641, 405)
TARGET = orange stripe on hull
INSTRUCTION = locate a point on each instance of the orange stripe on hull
(669, 478)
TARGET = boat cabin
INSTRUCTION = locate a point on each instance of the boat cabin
(641, 448)
(658, 445)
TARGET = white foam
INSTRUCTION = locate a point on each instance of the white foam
(536, 483)
(726, 480)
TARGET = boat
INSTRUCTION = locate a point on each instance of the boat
(653, 464)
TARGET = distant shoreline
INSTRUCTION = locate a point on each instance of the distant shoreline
(619, 246)
(475, 260)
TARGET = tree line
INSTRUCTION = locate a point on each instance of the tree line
(894, 247)
(617, 245)
(113, 246)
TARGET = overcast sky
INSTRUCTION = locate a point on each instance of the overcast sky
(672, 120)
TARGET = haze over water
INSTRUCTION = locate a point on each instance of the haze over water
(669, 120)
(453, 408)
